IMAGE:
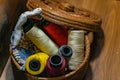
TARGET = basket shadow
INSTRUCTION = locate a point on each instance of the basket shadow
(97, 44)
(96, 48)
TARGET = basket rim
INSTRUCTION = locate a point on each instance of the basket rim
(57, 15)
(85, 61)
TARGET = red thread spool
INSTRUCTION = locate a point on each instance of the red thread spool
(59, 34)
(56, 65)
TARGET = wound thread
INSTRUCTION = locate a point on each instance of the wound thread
(76, 42)
(16, 35)
(58, 34)
(21, 55)
(35, 64)
(42, 41)
(55, 66)
(66, 52)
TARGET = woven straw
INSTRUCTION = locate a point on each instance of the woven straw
(77, 74)
(63, 13)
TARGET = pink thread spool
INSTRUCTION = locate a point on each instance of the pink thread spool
(56, 65)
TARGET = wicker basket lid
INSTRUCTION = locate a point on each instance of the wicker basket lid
(63, 13)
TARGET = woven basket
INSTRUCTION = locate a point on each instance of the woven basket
(55, 11)
(77, 74)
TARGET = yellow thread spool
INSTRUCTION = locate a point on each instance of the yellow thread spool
(38, 63)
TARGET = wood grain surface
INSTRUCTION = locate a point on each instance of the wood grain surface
(105, 53)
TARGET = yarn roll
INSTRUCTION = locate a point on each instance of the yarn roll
(55, 66)
(76, 42)
(21, 55)
(17, 33)
(66, 52)
(35, 64)
(59, 34)
(39, 38)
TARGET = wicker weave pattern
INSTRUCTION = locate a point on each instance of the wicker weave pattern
(78, 74)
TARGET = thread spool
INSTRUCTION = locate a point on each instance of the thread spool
(55, 66)
(35, 64)
(66, 52)
(58, 34)
(39, 38)
(76, 42)
(16, 35)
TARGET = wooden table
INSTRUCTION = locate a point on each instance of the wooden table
(105, 52)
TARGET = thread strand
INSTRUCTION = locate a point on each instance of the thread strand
(76, 42)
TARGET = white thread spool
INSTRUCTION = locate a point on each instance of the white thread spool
(42, 41)
(76, 42)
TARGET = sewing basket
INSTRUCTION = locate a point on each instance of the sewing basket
(63, 13)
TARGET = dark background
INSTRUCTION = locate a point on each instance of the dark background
(9, 13)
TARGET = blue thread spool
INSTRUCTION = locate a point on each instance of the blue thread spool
(66, 52)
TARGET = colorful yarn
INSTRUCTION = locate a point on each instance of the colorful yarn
(55, 66)
(76, 42)
(22, 68)
(66, 52)
(58, 34)
(21, 55)
(39, 38)
(35, 64)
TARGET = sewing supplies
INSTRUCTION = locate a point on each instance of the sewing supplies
(66, 52)
(21, 55)
(58, 34)
(56, 65)
(16, 34)
(39, 38)
(18, 57)
(26, 43)
(76, 42)
(35, 64)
